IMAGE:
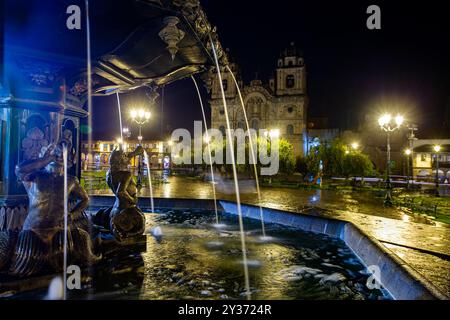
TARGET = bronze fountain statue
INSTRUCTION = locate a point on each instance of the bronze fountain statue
(39, 246)
(124, 219)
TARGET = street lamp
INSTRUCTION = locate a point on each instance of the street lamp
(408, 155)
(388, 125)
(126, 132)
(436, 149)
(141, 117)
(355, 146)
(274, 133)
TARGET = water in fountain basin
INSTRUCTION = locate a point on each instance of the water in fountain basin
(253, 155)
(188, 265)
(235, 177)
(149, 175)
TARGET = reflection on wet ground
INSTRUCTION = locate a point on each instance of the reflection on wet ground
(361, 208)
(437, 270)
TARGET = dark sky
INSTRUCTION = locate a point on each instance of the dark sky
(351, 71)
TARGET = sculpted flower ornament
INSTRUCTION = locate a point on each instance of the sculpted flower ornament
(33, 143)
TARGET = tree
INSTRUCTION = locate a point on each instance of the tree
(301, 165)
(338, 161)
(287, 158)
(357, 164)
(332, 157)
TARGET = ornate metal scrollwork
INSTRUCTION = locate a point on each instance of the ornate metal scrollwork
(172, 35)
(189, 8)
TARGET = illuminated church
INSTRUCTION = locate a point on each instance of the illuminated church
(281, 104)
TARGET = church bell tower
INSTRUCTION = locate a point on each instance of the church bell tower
(290, 73)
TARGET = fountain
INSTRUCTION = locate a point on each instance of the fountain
(208, 144)
(253, 154)
(150, 186)
(120, 118)
(236, 182)
(66, 217)
(42, 244)
(44, 95)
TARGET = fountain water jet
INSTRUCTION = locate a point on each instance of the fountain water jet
(89, 102)
(236, 183)
(150, 186)
(89, 76)
(55, 289)
(209, 152)
(120, 118)
(252, 152)
(66, 215)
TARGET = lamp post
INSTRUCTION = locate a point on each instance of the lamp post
(436, 149)
(411, 139)
(408, 155)
(126, 132)
(388, 125)
(141, 117)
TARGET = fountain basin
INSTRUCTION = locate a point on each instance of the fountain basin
(397, 277)
(307, 257)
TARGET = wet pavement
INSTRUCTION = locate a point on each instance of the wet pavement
(402, 230)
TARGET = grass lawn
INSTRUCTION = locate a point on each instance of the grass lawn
(437, 208)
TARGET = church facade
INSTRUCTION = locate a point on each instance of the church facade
(281, 104)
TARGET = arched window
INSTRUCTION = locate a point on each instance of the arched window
(240, 125)
(225, 84)
(290, 81)
(290, 129)
(255, 124)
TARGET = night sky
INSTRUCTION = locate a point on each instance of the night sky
(351, 71)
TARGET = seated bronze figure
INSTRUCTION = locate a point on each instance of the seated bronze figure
(39, 245)
(124, 219)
